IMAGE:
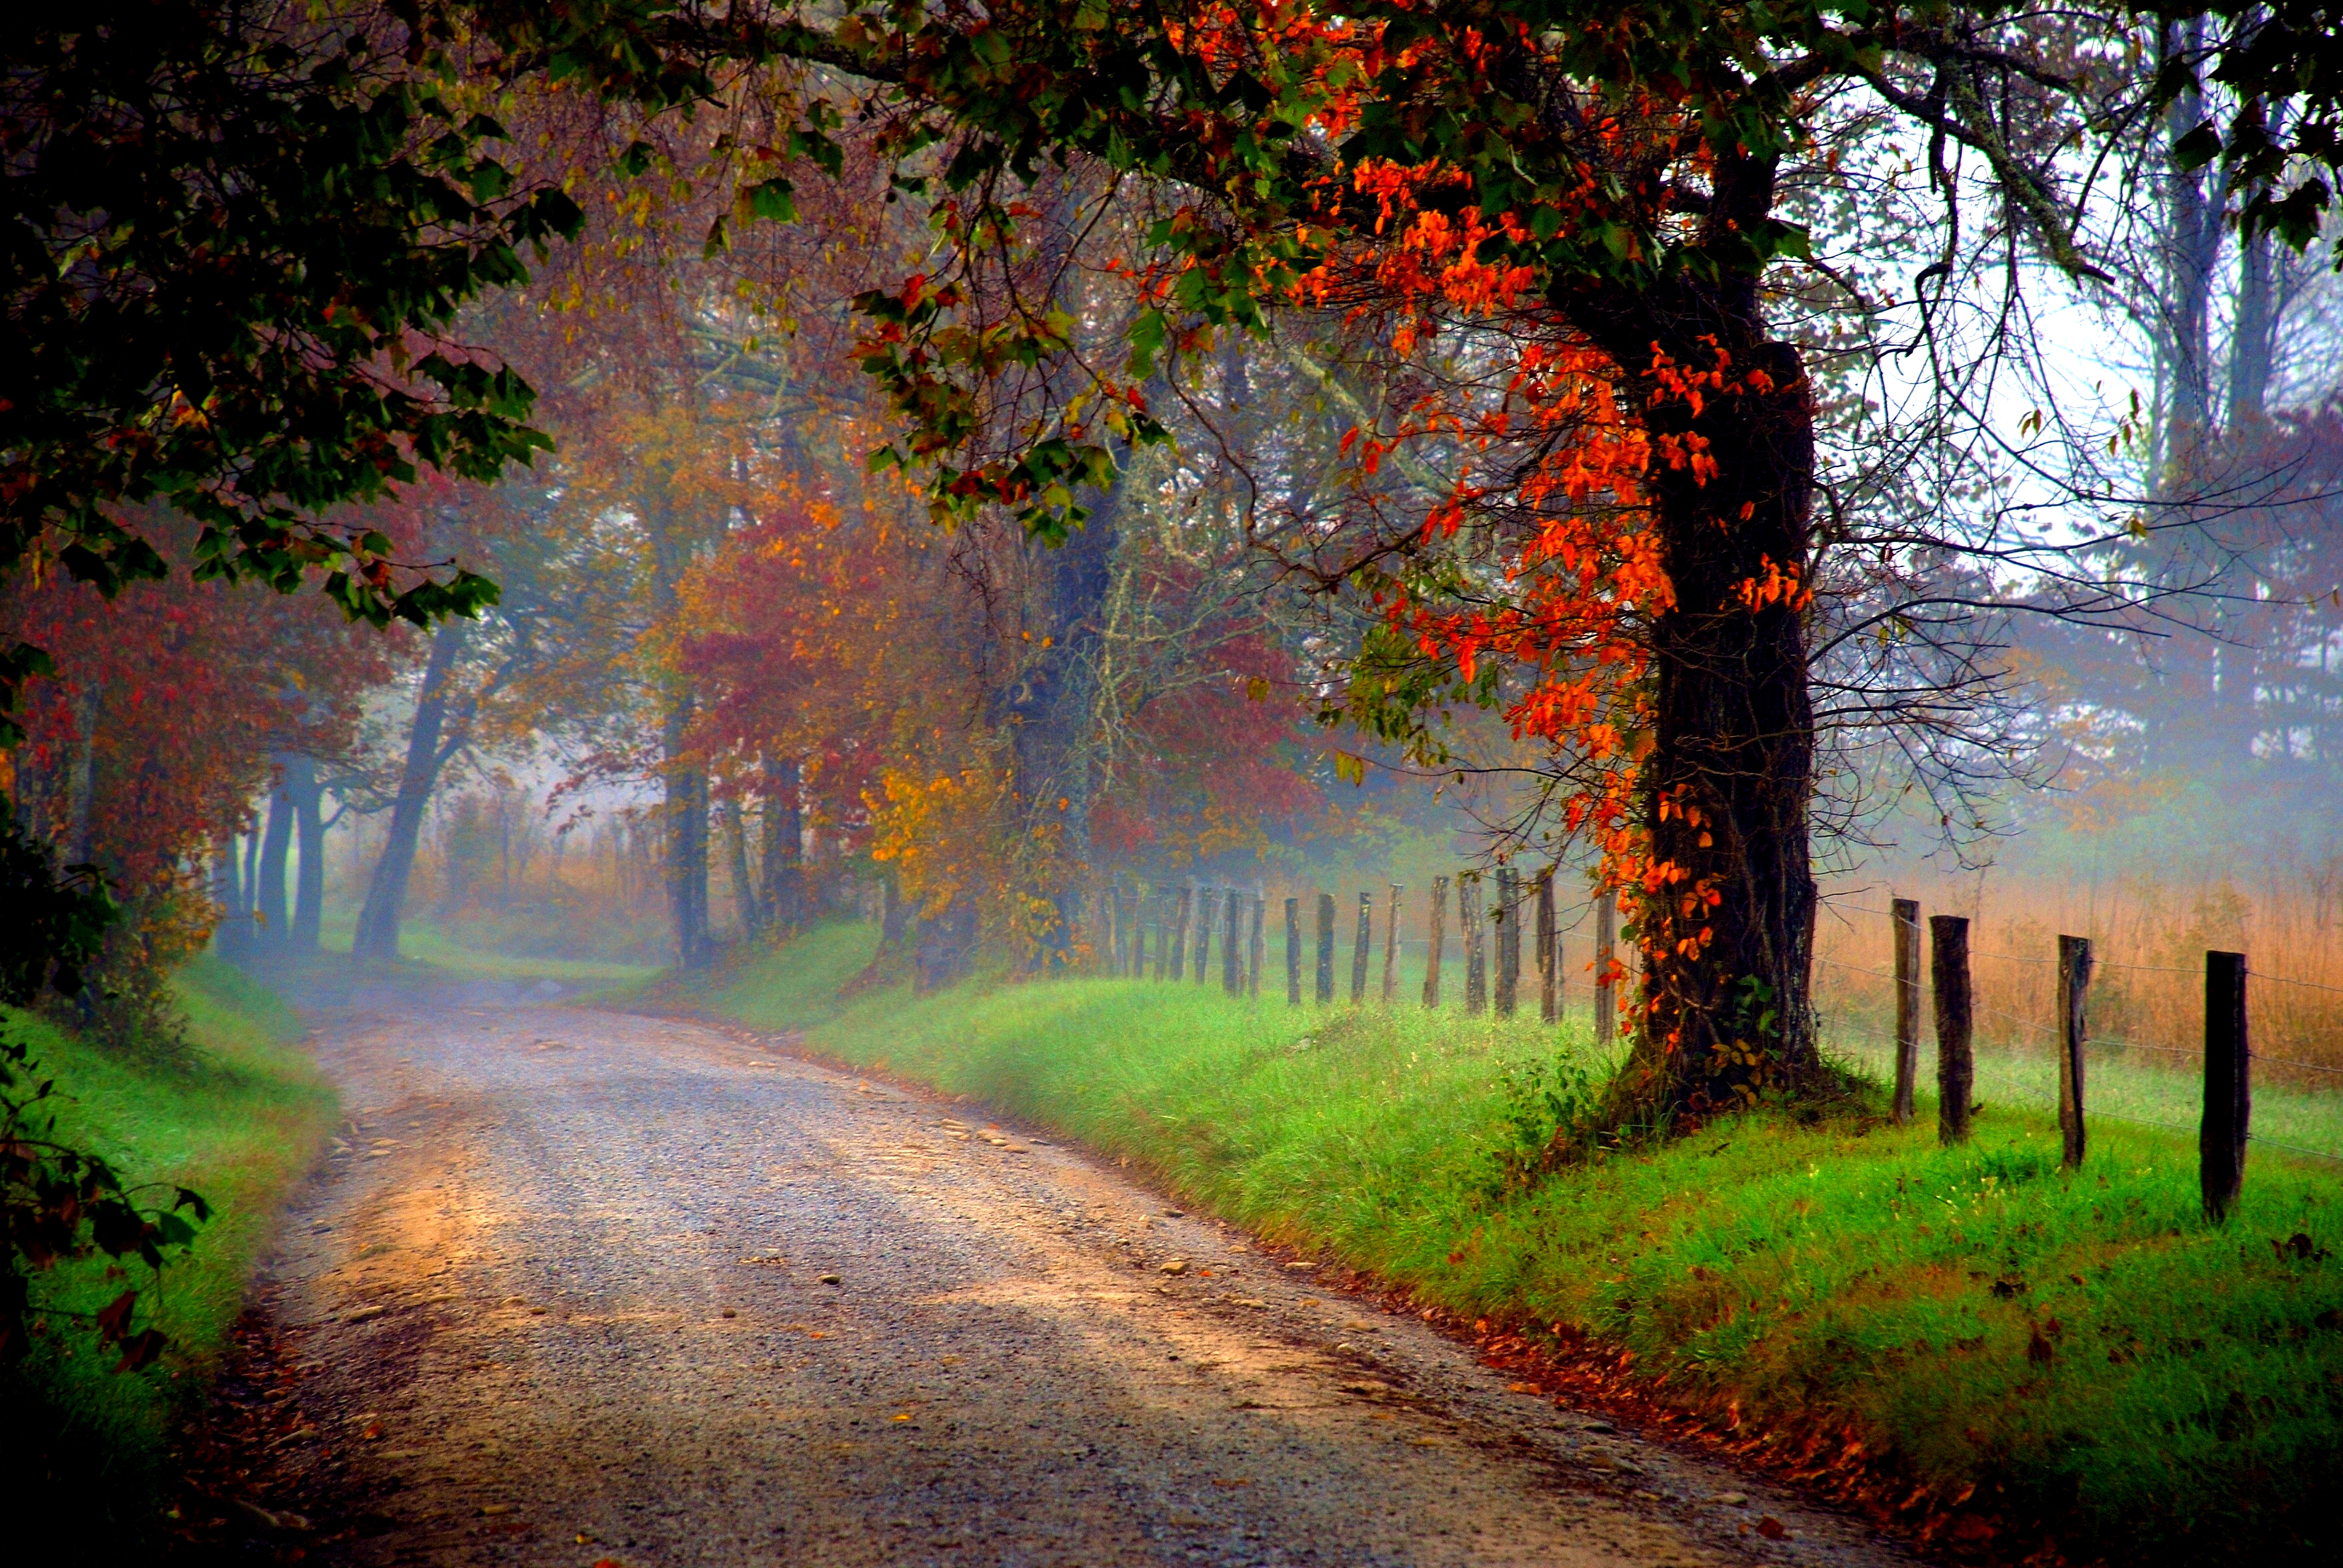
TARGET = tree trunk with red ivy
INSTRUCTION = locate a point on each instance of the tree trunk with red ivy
(1728, 938)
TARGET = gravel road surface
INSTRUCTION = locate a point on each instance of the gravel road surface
(580, 1286)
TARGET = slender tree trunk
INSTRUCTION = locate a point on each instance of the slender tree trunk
(687, 838)
(307, 791)
(744, 889)
(784, 897)
(275, 846)
(377, 934)
(81, 778)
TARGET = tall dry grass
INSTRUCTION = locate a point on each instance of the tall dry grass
(2148, 941)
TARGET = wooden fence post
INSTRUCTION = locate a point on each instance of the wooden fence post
(1548, 956)
(2229, 1085)
(1391, 946)
(1948, 957)
(1253, 949)
(1438, 943)
(1509, 941)
(1476, 943)
(1607, 940)
(1232, 955)
(1359, 947)
(1904, 919)
(1325, 947)
(1203, 931)
(1293, 952)
(2074, 993)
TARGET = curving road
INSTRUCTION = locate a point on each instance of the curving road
(582, 1286)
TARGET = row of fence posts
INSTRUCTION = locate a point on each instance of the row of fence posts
(1185, 916)
(2228, 1095)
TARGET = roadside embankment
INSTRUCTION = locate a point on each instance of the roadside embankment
(2079, 1351)
(238, 1118)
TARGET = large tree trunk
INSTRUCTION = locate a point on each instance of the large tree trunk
(307, 791)
(377, 934)
(1049, 706)
(1728, 939)
(276, 845)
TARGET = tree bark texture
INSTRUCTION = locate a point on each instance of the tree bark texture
(305, 788)
(1729, 937)
(1549, 958)
(1293, 952)
(274, 913)
(1390, 945)
(1438, 944)
(1325, 947)
(781, 872)
(1509, 943)
(1948, 957)
(686, 810)
(377, 934)
(1904, 916)
(1476, 945)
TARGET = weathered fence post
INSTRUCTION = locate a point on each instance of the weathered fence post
(1253, 948)
(1361, 944)
(1391, 946)
(1949, 959)
(1179, 931)
(1548, 956)
(1293, 952)
(1509, 941)
(1325, 947)
(1438, 941)
(1476, 946)
(1203, 931)
(1904, 919)
(2229, 1085)
(1232, 955)
(2074, 991)
(1606, 939)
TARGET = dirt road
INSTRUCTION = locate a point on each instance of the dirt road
(580, 1285)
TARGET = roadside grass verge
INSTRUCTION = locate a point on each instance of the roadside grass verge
(238, 1121)
(2081, 1348)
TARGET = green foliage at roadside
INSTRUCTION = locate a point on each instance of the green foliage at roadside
(239, 1118)
(2080, 1347)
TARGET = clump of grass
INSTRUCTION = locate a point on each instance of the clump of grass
(2080, 1347)
(238, 1118)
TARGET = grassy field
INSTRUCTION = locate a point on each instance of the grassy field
(431, 952)
(238, 1121)
(2082, 1348)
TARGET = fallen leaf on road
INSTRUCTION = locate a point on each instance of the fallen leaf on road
(1175, 1266)
(1771, 1528)
(493, 1509)
(1522, 1388)
(831, 1279)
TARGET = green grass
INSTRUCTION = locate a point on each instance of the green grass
(1843, 1273)
(239, 1123)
